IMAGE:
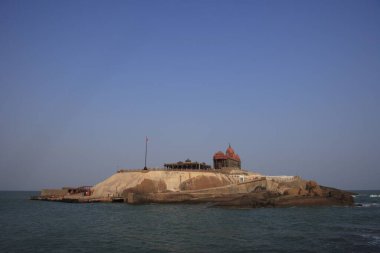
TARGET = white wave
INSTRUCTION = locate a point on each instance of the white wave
(368, 204)
(373, 239)
(374, 196)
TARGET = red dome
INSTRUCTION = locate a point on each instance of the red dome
(237, 157)
(230, 151)
(219, 155)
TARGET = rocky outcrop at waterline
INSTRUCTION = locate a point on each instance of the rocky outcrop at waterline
(223, 189)
(328, 197)
(253, 194)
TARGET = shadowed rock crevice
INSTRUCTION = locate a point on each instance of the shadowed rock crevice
(148, 186)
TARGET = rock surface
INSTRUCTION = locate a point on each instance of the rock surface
(247, 190)
(147, 181)
(328, 197)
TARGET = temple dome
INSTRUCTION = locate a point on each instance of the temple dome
(219, 155)
(237, 157)
(230, 151)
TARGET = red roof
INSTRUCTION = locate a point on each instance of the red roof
(230, 153)
(220, 155)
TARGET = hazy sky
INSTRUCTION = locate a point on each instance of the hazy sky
(294, 86)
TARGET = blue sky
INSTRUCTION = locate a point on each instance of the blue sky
(292, 85)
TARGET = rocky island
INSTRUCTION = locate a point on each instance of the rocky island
(224, 185)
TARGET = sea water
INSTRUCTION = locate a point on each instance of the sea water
(38, 226)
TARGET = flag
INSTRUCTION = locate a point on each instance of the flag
(146, 138)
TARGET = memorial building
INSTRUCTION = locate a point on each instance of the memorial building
(222, 160)
(227, 160)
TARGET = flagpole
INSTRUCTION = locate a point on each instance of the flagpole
(146, 151)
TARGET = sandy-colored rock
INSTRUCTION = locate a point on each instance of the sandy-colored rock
(148, 186)
(119, 182)
(303, 192)
(296, 192)
(314, 189)
(244, 190)
(203, 182)
(292, 191)
(311, 185)
(267, 199)
(317, 192)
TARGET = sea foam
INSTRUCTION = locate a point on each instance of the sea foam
(368, 205)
